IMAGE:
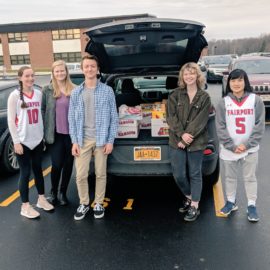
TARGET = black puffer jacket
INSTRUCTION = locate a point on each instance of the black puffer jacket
(184, 117)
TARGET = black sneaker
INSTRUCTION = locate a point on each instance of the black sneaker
(192, 214)
(98, 211)
(81, 212)
(186, 205)
(52, 199)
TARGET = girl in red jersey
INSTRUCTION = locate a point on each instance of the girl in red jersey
(240, 121)
(26, 129)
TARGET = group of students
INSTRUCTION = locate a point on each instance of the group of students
(240, 124)
(79, 122)
(74, 122)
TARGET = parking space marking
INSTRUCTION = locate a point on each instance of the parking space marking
(218, 197)
(16, 194)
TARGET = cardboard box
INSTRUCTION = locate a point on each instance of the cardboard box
(126, 112)
(145, 123)
(157, 106)
(159, 128)
(159, 114)
(128, 128)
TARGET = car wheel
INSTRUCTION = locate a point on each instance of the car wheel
(9, 158)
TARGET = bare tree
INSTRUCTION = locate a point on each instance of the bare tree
(240, 46)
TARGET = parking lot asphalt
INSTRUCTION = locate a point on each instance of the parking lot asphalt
(142, 228)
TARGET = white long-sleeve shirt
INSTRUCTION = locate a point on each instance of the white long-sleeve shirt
(25, 124)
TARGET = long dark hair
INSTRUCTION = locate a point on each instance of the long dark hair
(20, 73)
(236, 74)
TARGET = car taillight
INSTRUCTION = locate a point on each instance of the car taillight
(207, 152)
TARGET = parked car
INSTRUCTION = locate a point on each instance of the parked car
(73, 66)
(258, 70)
(148, 53)
(8, 160)
(216, 65)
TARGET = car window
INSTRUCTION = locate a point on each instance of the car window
(77, 79)
(222, 59)
(254, 66)
(150, 82)
(4, 94)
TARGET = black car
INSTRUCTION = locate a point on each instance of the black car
(144, 56)
(8, 158)
(216, 65)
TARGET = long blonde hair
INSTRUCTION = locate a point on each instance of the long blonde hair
(193, 67)
(69, 86)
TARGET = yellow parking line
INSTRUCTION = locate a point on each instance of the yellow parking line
(218, 197)
(16, 194)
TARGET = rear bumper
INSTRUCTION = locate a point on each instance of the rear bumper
(120, 167)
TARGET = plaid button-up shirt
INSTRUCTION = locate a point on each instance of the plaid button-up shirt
(105, 115)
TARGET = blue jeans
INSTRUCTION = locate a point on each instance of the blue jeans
(187, 171)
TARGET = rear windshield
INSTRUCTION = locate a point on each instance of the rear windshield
(162, 47)
(223, 59)
(254, 66)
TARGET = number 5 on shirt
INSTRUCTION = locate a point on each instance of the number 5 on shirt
(240, 124)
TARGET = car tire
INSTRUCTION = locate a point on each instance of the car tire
(9, 158)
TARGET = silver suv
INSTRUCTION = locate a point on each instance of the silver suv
(145, 55)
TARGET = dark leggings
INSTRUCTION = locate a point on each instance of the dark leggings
(30, 157)
(62, 162)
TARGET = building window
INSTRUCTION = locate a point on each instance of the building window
(20, 59)
(17, 37)
(66, 34)
(1, 61)
(69, 57)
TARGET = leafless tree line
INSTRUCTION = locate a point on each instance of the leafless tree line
(239, 46)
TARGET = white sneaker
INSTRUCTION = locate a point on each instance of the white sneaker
(98, 211)
(29, 212)
(44, 204)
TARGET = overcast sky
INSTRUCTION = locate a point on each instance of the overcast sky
(224, 19)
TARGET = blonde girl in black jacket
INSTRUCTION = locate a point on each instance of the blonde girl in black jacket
(187, 115)
(55, 105)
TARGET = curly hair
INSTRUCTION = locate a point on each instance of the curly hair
(193, 67)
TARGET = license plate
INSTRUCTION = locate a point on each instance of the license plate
(142, 153)
(265, 97)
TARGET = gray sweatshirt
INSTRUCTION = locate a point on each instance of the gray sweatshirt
(258, 130)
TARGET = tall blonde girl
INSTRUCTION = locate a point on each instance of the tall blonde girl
(55, 105)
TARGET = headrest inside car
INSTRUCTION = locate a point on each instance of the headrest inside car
(171, 82)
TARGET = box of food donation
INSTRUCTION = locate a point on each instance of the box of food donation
(145, 123)
(128, 128)
(126, 112)
(147, 113)
(158, 114)
(159, 127)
